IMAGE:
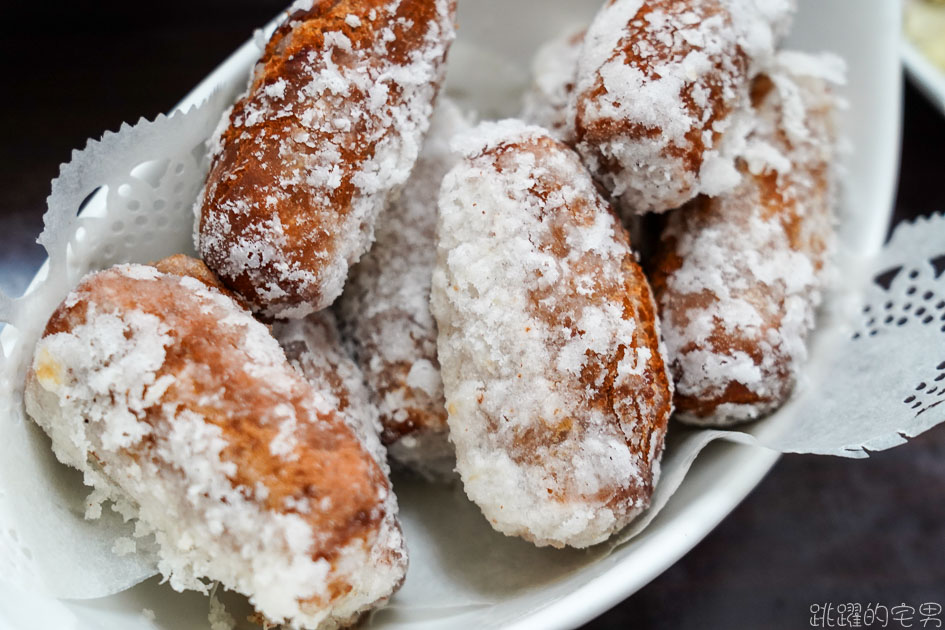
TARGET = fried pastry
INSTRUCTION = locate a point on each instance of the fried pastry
(302, 164)
(662, 87)
(738, 277)
(180, 407)
(313, 346)
(385, 311)
(556, 388)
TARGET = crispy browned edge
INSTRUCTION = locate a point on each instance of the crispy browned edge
(330, 463)
(244, 166)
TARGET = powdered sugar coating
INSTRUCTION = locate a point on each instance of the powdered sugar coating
(661, 94)
(313, 346)
(554, 75)
(331, 125)
(738, 277)
(385, 310)
(180, 407)
(557, 392)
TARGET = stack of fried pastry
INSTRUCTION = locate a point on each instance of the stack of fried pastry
(255, 465)
(502, 322)
(671, 106)
(739, 267)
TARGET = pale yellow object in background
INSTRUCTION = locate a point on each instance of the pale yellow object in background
(924, 24)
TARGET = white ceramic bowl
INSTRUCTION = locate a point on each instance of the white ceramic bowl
(462, 573)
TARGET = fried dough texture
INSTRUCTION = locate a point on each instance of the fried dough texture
(662, 91)
(385, 311)
(556, 388)
(331, 125)
(738, 277)
(181, 408)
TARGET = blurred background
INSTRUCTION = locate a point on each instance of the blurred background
(816, 530)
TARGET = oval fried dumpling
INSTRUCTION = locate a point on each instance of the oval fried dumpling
(738, 277)
(304, 162)
(385, 311)
(180, 407)
(556, 388)
(662, 86)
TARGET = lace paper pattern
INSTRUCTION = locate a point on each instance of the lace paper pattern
(125, 198)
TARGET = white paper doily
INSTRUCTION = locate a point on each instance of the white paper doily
(138, 186)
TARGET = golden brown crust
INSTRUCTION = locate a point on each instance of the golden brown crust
(699, 215)
(644, 401)
(736, 327)
(641, 37)
(661, 100)
(647, 135)
(413, 418)
(556, 386)
(183, 265)
(179, 406)
(208, 366)
(337, 105)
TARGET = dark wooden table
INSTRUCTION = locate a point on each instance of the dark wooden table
(816, 530)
